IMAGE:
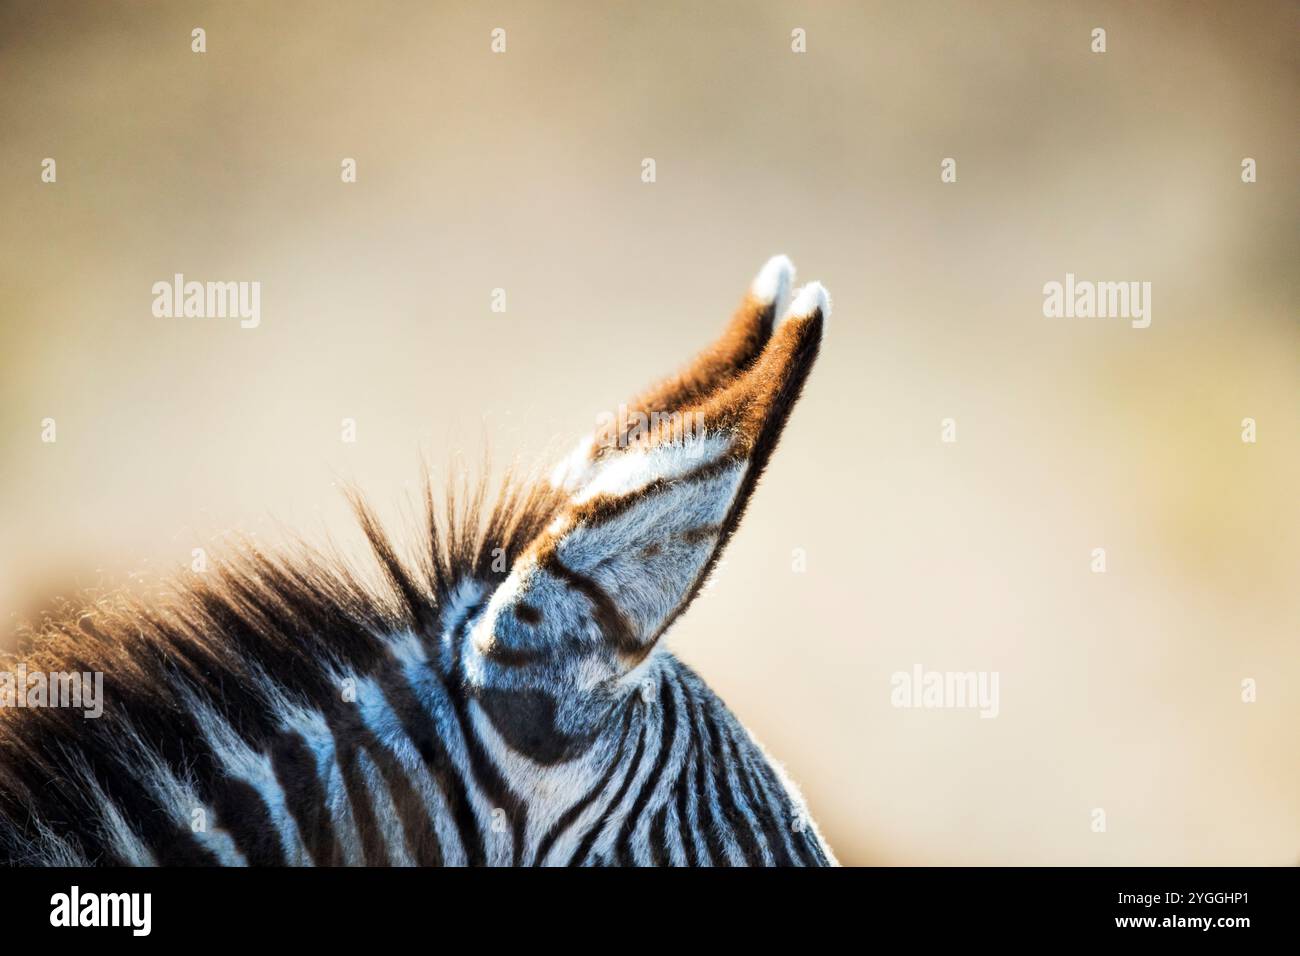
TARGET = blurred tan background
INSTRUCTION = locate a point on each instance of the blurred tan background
(521, 171)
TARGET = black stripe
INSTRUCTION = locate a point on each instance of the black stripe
(758, 819)
(481, 767)
(47, 751)
(738, 822)
(420, 729)
(812, 846)
(342, 725)
(593, 834)
(295, 769)
(571, 815)
(777, 826)
(489, 780)
(659, 837)
(706, 819)
(418, 831)
(612, 624)
(241, 812)
(683, 817)
(514, 657)
(181, 848)
(667, 735)
(806, 857)
(527, 720)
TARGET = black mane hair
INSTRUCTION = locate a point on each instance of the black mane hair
(288, 623)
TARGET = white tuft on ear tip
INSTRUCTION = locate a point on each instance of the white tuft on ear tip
(808, 300)
(773, 282)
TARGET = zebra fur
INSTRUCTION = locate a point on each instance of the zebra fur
(280, 711)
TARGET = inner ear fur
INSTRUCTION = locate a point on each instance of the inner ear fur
(743, 421)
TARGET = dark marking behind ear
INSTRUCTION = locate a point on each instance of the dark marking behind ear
(526, 721)
(612, 623)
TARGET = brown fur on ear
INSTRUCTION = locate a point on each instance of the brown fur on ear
(748, 415)
(721, 363)
(712, 370)
(754, 410)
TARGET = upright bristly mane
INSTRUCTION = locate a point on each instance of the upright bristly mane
(260, 630)
(497, 694)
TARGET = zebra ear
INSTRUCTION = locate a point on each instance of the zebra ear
(728, 357)
(634, 545)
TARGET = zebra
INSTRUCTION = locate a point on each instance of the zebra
(502, 696)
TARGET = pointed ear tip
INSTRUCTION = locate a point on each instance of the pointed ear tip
(773, 280)
(811, 299)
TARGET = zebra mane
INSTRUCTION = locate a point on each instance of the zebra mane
(471, 699)
(262, 630)
(472, 535)
(476, 538)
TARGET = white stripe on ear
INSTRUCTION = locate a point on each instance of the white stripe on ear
(638, 467)
(678, 510)
(648, 556)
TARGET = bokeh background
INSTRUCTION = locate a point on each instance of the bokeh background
(521, 171)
